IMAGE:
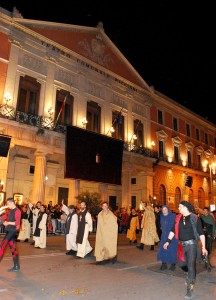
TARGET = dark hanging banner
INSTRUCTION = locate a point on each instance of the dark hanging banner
(92, 157)
(4, 145)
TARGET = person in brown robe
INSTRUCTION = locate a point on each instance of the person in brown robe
(106, 236)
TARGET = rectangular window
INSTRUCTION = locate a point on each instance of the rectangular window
(28, 95)
(199, 162)
(112, 202)
(63, 194)
(189, 158)
(161, 149)
(175, 124)
(197, 134)
(64, 108)
(188, 130)
(93, 116)
(176, 154)
(118, 125)
(138, 131)
(160, 117)
(206, 138)
(31, 169)
(133, 180)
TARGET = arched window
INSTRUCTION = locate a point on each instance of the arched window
(177, 197)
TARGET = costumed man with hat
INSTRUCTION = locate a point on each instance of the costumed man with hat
(187, 230)
(11, 219)
(71, 227)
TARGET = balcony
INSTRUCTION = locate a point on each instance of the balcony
(8, 112)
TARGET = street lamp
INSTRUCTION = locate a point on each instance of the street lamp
(212, 170)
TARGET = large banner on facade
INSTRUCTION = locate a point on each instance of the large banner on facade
(93, 157)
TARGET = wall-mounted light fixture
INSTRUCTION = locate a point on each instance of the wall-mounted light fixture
(7, 110)
(112, 129)
(152, 143)
(48, 122)
(7, 98)
(1, 185)
(84, 122)
(50, 112)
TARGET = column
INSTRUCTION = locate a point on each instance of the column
(38, 191)
(74, 190)
(12, 71)
(126, 188)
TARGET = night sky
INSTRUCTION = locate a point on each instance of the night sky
(171, 44)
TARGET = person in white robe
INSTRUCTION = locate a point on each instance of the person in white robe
(71, 227)
(41, 229)
(25, 228)
(35, 210)
(84, 227)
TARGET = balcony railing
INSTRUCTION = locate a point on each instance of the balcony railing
(8, 112)
(140, 150)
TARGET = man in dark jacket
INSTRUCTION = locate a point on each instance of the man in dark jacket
(187, 230)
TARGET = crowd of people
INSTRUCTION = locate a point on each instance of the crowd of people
(183, 237)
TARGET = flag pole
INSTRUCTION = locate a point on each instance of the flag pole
(61, 109)
(119, 114)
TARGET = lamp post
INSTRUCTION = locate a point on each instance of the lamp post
(211, 170)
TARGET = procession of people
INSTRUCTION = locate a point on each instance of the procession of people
(178, 238)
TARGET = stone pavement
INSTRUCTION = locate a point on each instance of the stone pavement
(49, 274)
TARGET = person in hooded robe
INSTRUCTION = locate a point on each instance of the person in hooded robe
(106, 236)
(133, 226)
(149, 231)
(169, 256)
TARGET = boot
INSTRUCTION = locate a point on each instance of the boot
(186, 279)
(172, 267)
(152, 248)
(163, 267)
(114, 260)
(73, 252)
(189, 294)
(16, 266)
(69, 252)
(135, 242)
(26, 241)
(141, 246)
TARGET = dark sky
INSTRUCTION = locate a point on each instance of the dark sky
(170, 43)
